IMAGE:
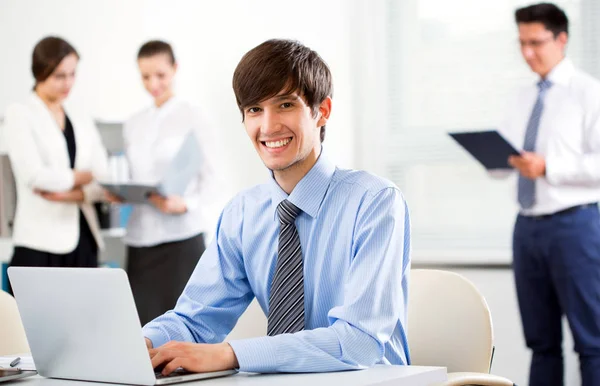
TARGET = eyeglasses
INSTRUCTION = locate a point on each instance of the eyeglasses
(535, 43)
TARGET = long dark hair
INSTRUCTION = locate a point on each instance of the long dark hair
(47, 55)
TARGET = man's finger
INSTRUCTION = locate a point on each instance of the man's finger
(519, 164)
(158, 359)
(173, 365)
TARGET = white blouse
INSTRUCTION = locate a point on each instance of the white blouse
(152, 138)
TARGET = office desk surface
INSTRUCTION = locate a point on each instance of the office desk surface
(378, 375)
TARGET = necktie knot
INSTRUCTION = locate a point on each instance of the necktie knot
(544, 85)
(287, 212)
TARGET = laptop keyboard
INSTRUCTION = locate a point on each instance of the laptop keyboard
(177, 373)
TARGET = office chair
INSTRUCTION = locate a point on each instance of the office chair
(450, 325)
(12, 334)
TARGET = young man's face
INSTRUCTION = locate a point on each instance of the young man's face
(285, 132)
(540, 48)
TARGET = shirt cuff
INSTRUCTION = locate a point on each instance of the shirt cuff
(156, 336)
(555, 171)
(256, 355)
(191, 204)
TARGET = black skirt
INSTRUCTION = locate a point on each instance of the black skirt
(84, 255)
(158, 274)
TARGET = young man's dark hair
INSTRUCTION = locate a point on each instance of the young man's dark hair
(552, 17)
(156, 47)
(282, 66)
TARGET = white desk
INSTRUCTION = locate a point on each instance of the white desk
(378, 375)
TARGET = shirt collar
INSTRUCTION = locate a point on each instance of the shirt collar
(35, 99)
(166, 107)
(561, 73)
(310, 191)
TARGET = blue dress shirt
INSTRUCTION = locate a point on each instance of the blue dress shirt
(355, 235)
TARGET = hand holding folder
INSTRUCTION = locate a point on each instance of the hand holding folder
(183, 167)
(488, 147)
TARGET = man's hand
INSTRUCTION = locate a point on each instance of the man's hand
(74, 195)
(194, 357)
(530, 165)
(148, 343)
(168, 205)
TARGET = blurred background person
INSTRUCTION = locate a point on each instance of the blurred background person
(165, 238)
(56, 155)
(556, 241)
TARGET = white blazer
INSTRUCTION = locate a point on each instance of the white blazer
(40, 160)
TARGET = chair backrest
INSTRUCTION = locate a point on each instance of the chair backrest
(449, 322)
(12, 334)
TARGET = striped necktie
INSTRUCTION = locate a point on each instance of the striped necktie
(286, 302)
(526, 189)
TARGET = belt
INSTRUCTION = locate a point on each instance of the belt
(562, 212)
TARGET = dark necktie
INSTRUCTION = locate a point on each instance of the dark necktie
(526, 189)
(286, 301)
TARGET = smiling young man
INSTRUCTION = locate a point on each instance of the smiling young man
(324, 250)
(556, 244)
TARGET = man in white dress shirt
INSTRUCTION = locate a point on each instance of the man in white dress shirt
(556, 244)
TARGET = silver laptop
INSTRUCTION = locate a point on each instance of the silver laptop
(81, 323)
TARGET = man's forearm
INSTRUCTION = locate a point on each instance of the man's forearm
(335, 348)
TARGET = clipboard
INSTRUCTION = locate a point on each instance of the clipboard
(183, 167)
(131, 193)
(488, 147)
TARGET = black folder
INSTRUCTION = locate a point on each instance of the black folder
(488, 147)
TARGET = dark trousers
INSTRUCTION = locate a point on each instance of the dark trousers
(557, 272)
(158, 274)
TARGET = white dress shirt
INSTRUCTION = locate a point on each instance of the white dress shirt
(40, 160)
(152, 138)
(568, 138)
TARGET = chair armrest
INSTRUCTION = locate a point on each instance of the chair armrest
(479, 379)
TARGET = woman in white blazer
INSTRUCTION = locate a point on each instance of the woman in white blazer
(56, 156)
(165, 237)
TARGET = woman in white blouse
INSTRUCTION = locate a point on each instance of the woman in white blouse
(164, 237)
(56, 154)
